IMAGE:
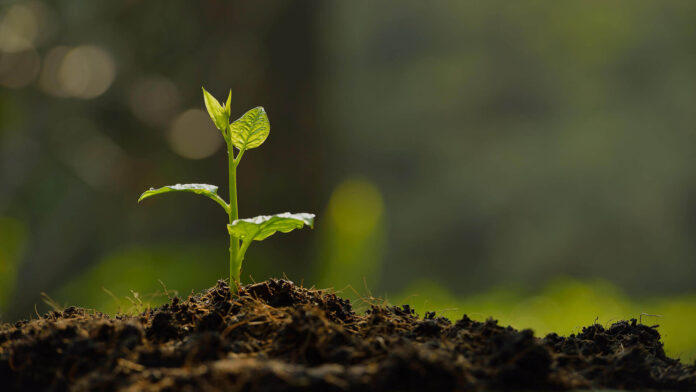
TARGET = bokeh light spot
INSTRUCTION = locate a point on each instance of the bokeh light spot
(154, 100)
(86, 72)
(48, 80)
(356, 206)
(18, 29)
(193, 136)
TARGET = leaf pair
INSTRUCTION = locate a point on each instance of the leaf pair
(247, 230)
(247, 132)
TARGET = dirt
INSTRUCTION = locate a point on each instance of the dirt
(276, 336)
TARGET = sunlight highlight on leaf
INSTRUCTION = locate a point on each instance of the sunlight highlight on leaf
(219, 114)
(250, 130)
(263, 226)
(199, 189)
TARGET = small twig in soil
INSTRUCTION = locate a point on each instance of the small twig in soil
(51, 302)
(640, 317)
(167, 291)
(367, 289)
(109, 293)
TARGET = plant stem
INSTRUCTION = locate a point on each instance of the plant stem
(234, 215)
(242, 252)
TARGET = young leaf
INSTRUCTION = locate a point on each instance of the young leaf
(263, 226)
(250, 130)
(200, 189)
(219, 114)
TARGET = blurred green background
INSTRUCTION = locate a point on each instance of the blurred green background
(530, 160)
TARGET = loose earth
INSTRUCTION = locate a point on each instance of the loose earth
(276, 336)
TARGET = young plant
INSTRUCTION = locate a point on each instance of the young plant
(249, 131)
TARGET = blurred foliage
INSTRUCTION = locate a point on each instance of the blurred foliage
(351, 237)
(152, 272)
(539, 137)
(482, 144)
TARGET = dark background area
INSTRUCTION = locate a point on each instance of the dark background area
(467, 145)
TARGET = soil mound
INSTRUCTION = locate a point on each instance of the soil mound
(276, 336)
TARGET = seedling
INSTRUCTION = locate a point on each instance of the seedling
(249, 131)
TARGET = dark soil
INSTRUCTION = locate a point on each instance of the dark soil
(280, 337)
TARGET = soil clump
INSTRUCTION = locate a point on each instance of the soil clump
(276, 336)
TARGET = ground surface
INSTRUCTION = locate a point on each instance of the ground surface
(280, 337)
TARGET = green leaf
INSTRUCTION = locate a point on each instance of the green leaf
(219, 114)
(200, 189)
(263, 226)
(250, 130)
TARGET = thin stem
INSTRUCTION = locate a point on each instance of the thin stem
(239, 157)
(234, 215)
(222, 203)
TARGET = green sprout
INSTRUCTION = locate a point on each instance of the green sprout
(249, 131)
